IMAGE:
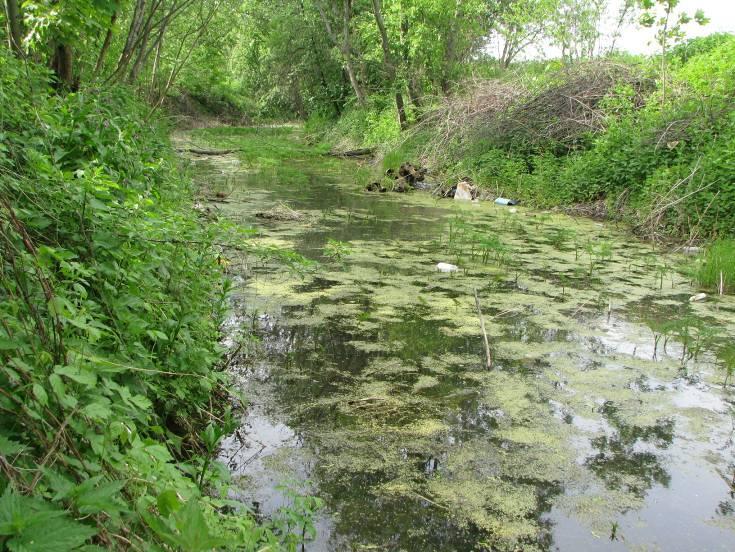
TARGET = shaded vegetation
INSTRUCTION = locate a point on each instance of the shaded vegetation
(111, 297)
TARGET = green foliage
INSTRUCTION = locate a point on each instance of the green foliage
(111, 298)
(664, 165)
(337, 250)
(697, 46)
(32, 525)
(376, 125)
(717, 266)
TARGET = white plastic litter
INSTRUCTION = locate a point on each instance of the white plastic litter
(446, 267)
(698, 297)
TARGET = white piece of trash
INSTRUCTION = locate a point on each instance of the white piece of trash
(446, 267)
(698, 297)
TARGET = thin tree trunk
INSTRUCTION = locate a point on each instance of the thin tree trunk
(347, 52)
(506, 56)
(131, 40)
(156, 63)
(175, 70)
(140, 58)
(414, 86)
(449, 55)
(15, 26)
(105, 46)
(343, 44)
(388, 62)
(663, 54)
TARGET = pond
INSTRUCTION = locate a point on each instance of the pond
(602, 423)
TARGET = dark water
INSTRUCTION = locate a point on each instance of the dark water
(370, 387)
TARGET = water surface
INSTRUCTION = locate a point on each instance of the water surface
(602, 424)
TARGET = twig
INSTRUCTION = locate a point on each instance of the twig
(484, 333)
(422, 497)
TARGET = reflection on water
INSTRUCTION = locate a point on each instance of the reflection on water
(370, 383)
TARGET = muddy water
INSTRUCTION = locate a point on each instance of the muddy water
(602, 424)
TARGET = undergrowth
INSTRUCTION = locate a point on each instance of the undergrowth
(111, 298)
(664, 165)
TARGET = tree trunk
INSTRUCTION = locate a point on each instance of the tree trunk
(347, 52)
(141, 58)
(388, 62)
(414, 84)
(15, 26)
(449, 56)
(105, 46)
(62, 65)
(136, 23)
(156, 64)
(343, 44)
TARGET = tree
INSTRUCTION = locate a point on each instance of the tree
(390, 66)
(659, 14)
(14, 18)
(576, 28)
(343, 42)
(520, 23)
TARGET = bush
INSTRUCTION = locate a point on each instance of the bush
(110, 303)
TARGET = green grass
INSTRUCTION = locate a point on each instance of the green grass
(718, 265)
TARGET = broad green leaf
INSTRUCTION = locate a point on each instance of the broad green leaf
(51, 535)
(168, 502)
(40, 393)
(78, 374)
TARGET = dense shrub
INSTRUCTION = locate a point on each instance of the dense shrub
(110, 302)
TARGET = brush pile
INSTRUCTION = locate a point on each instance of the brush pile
(570, 107)
(509, 113)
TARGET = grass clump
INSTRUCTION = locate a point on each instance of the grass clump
(716, 269)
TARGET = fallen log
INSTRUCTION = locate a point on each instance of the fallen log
(362, 152)
(198, 151)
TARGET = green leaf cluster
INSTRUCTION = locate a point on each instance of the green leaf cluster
(111, 299)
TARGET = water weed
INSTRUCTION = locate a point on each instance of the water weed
(716, 268)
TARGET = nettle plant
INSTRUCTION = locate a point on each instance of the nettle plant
(111, 300)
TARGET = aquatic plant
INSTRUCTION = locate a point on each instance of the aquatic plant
(560, 236)
(296, 521)
(598, 253)
(662, 269)
(726, 356)
(337, 250)
(716, 269)
(694, 335)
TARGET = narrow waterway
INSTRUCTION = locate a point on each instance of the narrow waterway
(601, 425)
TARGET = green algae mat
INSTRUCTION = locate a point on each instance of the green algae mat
(603, 424)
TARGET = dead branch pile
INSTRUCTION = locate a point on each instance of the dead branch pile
(570, 107)
(508, 112)
(593, 209)
(458, 116)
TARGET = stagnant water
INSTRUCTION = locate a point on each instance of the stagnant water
(601, 425)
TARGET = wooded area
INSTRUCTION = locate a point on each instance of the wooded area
(114, 391)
